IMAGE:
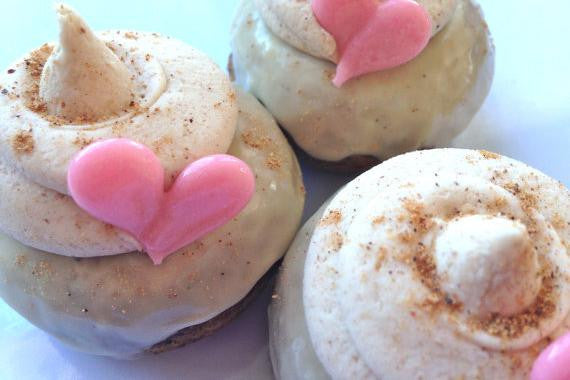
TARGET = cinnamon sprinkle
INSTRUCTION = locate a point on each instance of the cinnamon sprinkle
(420, 221)
(23, 143)
(333, 217)
(489, 155)
(516, 325)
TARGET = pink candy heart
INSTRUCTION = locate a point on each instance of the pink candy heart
(554, 362)
(121, 182)
(373, 35)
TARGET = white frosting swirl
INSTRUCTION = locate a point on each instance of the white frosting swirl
(435, 264)
(184, 108)
(62, 99)
(294, 22)
(488, 265)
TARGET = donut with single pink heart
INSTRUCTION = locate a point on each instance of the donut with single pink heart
(145, 198)
(356, 82)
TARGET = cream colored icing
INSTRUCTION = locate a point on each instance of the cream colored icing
(424, 103)
(294, 22)
(83, 79)
(487, 263)
(121, 305)
(184, 108)
(376, 271)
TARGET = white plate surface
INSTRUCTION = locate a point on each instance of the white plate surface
(527, 117)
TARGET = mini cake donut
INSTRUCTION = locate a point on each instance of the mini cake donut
(439, 264)
(120, 144)
(346, 90)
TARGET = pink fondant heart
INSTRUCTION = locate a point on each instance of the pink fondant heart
(373, 35)
(554, 362)
(121, 182)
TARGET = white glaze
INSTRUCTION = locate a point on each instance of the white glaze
(121, 305)
(424, 103)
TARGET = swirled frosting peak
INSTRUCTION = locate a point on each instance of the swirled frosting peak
(294, 22)
(92, 87)
(83, 79)
(487, 264)
(439, 264)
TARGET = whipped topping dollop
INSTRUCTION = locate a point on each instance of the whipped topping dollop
(487, 263)
(83, 79)
(439, 264)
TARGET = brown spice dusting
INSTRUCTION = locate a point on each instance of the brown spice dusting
(425, 267)
(420, 257)
(382, 253)
(336, 241)
(558, 222)
(131, 36)
(516, 325)
(23, 143)
(489, 155)
(272, 161)
(11, 71)
(254, 140)
(34, 66)
(21, 261)
(378, 220)
(163, 141)
(36, 61)
(418, 218)
(82, 142)
(333, 217)
(529, 201)
(41, 269)
(499, 203)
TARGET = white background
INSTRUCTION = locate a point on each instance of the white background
(527, 117)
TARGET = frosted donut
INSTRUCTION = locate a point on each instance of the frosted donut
(435, 264)
(86, 282)
(422, 103)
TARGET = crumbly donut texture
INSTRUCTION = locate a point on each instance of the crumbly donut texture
(121, 305)
(425, 102)
(364, 293)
